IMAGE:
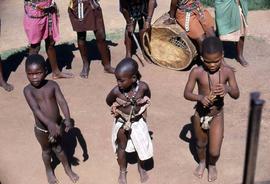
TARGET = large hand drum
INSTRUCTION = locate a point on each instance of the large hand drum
(169, 46)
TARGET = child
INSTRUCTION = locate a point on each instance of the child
(134, 11)
(43, 97)
(193, 18)
(41, 23)
(85, 16)
(214, 81)
(129, 101)
(231, 18)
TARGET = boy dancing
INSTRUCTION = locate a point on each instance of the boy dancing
(214, 81)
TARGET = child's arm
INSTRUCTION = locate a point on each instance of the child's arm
(188, 92)
(232, 89)
(69, 123)
(111, 97)
(147, 91)
(53, 128)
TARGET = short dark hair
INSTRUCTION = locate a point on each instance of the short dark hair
(212, 45)
(35, 59)
(128, 65)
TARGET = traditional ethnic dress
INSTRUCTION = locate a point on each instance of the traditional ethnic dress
(138, 9)
(39, 24)
(193, 18)
(85, 15)
(139, 138)
(231, 19)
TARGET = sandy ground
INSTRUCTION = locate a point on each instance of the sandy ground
(20, 154)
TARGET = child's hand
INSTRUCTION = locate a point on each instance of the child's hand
(220, 90)
(205, 101)
(54, 129)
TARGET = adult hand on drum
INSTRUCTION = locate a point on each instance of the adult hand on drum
(169, 21)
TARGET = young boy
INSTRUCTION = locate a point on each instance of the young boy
(85, 16)
(41, 23)
(193, 18)
(43, 96)
(214, 81)
(134, 11)
(129, 101)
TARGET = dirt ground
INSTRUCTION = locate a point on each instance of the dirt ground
(168, 116)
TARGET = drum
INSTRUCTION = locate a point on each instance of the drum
(169, 46)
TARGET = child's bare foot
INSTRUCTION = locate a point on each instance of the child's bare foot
(109, 69)
(122, 179)
(85, 71)
(61, 75)
(200, 169)
(73, 176)
(212, 173)
(242, 61)
(51, 177)
(143, 175)
(6, 86)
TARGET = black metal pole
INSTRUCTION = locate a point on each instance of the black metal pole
(253, 133)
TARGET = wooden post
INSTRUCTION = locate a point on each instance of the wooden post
(253, 133)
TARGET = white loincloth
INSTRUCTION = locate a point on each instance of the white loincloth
(139, 141)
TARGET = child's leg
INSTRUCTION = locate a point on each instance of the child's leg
(104, 50)
(215, 142)
(201, 142)
(56, 73)
(143, 174)
(63, 159)
(3, 83)
(121, 155)
(81, 39)
(240, 51)
(46, 155)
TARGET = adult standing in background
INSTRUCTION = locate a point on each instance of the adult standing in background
(86, 15)
(231, 19)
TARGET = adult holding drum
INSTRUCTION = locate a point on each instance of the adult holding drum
(193, 18)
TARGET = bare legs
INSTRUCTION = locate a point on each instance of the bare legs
(102, 47)
(46, 157)
(3, 83)
(214, 138)
(121, 156)
(240, 50)
(81, 39)
(122, 138)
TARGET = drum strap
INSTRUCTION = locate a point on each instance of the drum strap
(187, 20)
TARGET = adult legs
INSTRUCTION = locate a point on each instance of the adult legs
(104, 50)
(3, 83)
(121, 155)
(240, 51)
(201, 142)
(46, 155)
(81, 39)
(56, 73)
(215, 141)
(63, 159)
(128, 40)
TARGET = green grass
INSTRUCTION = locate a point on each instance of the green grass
(252, 4)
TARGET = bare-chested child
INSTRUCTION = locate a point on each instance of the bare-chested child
(129, 101)
(43, 97)
(214, 81)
